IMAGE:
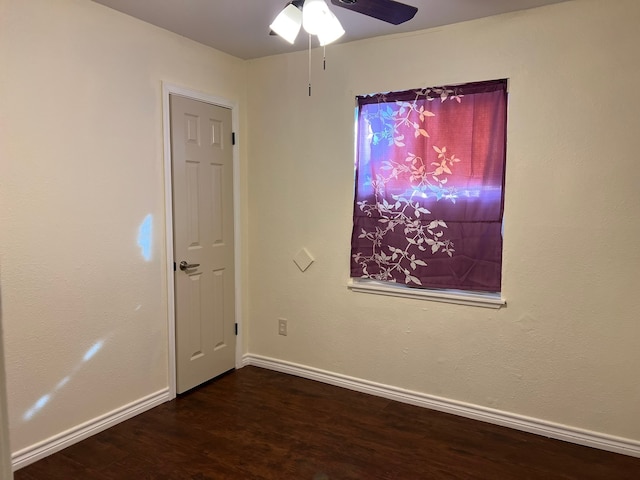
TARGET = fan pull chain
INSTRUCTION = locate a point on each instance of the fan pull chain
(309, 64)
(324, 57)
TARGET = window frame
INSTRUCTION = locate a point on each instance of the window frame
(458, 297)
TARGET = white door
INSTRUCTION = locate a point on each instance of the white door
(202, 178)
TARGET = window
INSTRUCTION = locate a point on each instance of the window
(429, 190)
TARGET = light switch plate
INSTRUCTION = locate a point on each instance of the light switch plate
(303, 259)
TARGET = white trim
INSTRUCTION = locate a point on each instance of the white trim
(566, 433)
(5, 451)
(47, 447)
(168, 216)
(487, 300)
(171, 89)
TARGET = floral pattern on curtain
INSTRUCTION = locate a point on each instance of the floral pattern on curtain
(430, 187)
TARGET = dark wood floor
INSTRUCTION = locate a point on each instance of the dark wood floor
(258, 424)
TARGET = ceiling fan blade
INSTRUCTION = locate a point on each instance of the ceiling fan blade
(388, 11)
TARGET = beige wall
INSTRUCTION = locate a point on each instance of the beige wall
(567, 346)
(81, 167)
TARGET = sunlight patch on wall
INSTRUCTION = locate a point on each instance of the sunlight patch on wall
(145, 232)
(92, 351)
(63, 382)
(42, 401)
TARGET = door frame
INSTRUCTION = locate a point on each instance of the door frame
(172, 89)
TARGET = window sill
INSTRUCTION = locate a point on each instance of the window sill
(486, 300)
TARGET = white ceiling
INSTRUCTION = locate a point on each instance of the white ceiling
(241, 27)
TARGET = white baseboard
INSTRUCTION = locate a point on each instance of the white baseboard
(587, 438)
(65, 439)
(519, 422)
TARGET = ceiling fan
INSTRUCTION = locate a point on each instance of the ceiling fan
(388, 11)
(316, 18)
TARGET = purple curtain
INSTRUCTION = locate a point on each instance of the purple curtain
(429, 187)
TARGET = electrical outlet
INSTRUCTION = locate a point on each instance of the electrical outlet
(282, 326)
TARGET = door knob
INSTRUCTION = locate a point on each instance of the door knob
(186, 266)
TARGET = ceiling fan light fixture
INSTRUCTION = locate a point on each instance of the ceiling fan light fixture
(288, 22)
(315, 14)
(331, 31)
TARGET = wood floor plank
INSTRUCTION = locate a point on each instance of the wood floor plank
(257, 424)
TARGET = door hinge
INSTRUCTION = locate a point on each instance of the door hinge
(233, 138)
(174, 266)
(236, 329)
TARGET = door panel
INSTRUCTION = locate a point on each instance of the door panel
(202, 169)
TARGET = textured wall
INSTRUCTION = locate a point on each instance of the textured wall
(566, 346)
(85, 313)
